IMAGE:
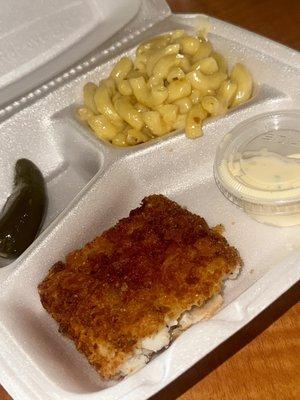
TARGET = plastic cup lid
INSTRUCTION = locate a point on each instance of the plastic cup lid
(257, 165)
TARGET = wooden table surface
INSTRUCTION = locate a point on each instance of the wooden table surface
(262, 361)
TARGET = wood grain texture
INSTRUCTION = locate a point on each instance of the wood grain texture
(262, 361)
(277, 19)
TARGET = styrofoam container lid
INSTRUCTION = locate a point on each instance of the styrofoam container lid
(39, 39)
(257, 165)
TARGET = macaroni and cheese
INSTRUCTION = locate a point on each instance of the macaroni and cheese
(175, 82)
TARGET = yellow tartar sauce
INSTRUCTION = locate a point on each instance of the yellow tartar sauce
(267, 176)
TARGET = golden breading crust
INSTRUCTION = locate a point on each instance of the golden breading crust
(127, 283)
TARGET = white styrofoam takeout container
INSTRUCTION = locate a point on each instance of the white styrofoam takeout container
(91, 185)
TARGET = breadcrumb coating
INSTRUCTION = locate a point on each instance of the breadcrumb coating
(129, 282)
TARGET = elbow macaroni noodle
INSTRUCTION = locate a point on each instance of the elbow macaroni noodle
(175, 82)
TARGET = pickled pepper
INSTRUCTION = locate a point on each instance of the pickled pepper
(23, 213)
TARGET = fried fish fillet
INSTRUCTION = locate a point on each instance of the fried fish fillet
(126, 294)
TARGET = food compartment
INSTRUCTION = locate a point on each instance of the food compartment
(67, 161)
(178, 168)
(266, 92)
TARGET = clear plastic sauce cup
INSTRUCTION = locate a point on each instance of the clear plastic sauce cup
(257, 167)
